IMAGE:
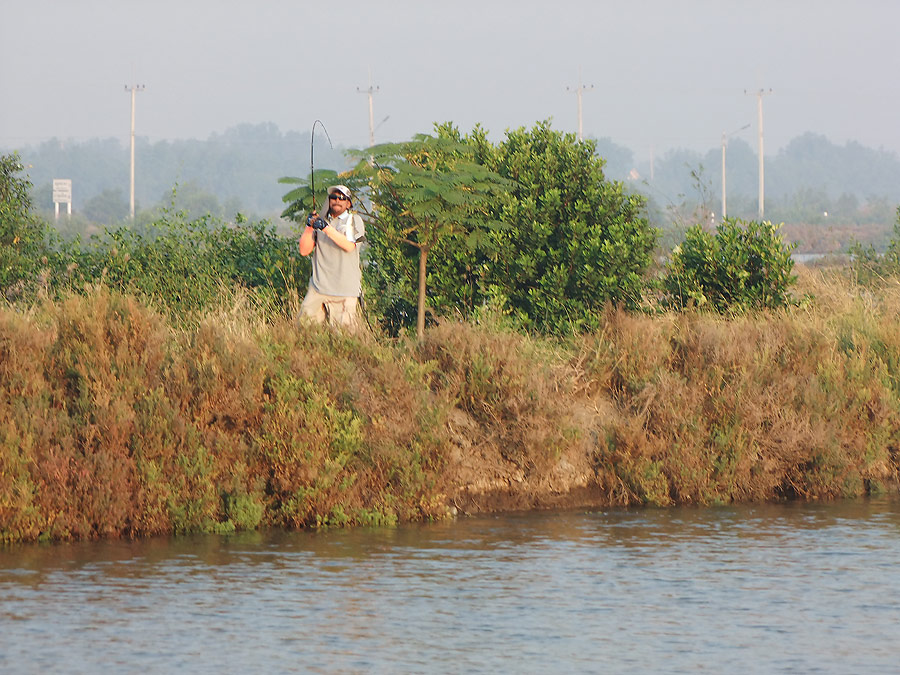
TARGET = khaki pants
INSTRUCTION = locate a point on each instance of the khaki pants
(337, 310)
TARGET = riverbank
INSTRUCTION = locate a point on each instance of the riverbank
(116, 421)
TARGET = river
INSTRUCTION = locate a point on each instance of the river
(799, 587)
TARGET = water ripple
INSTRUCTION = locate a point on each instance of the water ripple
(798, 587)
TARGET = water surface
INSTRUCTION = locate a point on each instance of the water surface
(755, 589)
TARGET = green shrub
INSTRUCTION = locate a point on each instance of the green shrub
(25, 240)
(870, 267)
(181, 264)
(744, 265)
(185, 265)
(570, 241)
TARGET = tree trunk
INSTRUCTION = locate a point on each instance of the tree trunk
(420, 319)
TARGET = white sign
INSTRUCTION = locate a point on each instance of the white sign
(62, 190)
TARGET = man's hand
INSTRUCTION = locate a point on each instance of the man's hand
(315, 222)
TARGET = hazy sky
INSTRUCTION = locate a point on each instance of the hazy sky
(665, 73)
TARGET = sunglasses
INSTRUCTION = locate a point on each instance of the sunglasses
(338, 196)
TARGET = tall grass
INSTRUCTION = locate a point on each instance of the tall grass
(791, 403)
(117, 421)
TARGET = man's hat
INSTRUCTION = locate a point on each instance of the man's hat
(343, 189)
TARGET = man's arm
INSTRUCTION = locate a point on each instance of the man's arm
(307, 241)
(336, 237)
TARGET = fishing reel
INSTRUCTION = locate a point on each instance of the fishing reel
(316, 223)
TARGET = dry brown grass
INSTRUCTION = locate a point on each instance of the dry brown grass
(116, 422)
(513, 387)
(794, 403)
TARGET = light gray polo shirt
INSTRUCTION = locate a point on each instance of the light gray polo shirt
(334, 270)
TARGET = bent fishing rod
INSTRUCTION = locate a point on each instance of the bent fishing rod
(312, 168)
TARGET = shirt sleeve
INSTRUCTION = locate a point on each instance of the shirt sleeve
(357, 228)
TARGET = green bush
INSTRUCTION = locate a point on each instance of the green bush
(744, 265)
(577, 241)
(182, 264)
(185, 265)
(25, 240)
(571, 241)
(869, 266)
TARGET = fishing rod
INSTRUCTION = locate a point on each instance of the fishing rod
(312, 169)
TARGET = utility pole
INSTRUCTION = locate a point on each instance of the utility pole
(370, 91)
(133, 89)
(762, 193)
(579, 90)
(724, 143)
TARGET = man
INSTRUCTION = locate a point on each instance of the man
(336, 281)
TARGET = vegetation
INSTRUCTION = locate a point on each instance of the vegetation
(185, 265)
(577, 240)
(181, 265)
(549, 251)
(152, 379)
(116, 422)
(24, 238)
(793, 403)
(429, 194)
(873, 268)
(825, 193)
(742, 266)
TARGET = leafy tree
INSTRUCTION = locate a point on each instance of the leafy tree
(110, 206)
(572, 241)
(304, 199)
(744, 265)
(24, 238)
(577, 240)
(425, 193)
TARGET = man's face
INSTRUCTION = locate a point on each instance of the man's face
(338, 203)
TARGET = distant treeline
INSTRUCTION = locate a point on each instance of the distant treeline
(237, 170)
(811, 181)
